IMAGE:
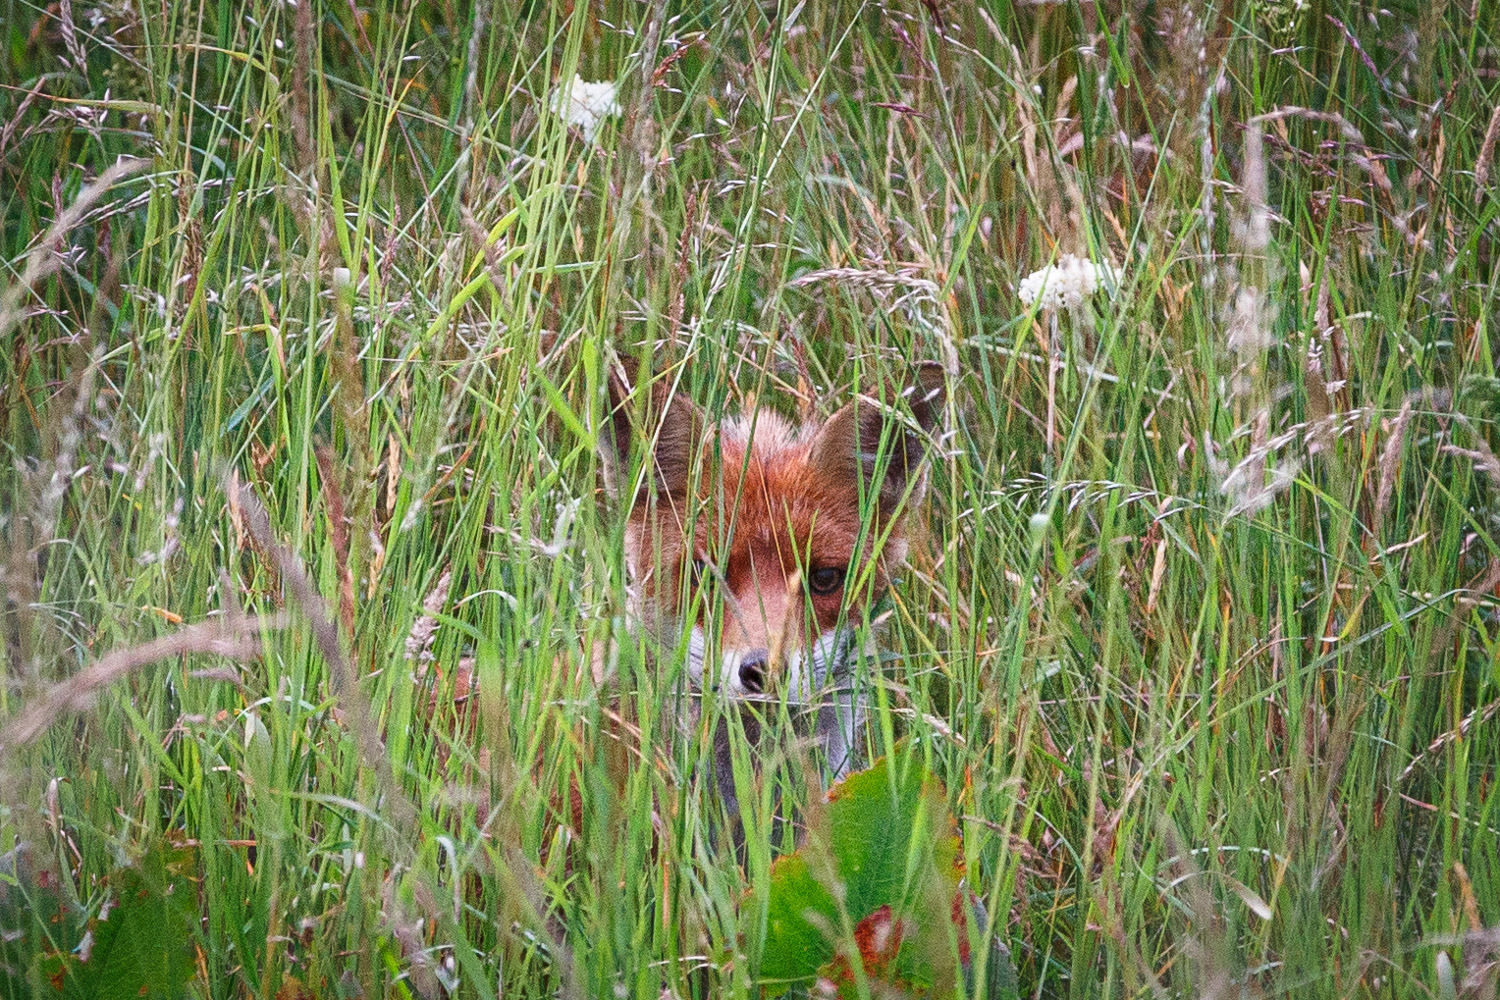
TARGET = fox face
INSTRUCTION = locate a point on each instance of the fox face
(762, 543)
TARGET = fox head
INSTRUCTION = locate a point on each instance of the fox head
(759, 542)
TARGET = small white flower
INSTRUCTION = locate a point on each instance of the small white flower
(586, 104)
(1067, 283)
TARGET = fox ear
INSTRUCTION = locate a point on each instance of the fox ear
(864, 436)
(655, 419)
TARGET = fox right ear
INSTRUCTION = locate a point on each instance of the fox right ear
(849, 444)
(664, 425)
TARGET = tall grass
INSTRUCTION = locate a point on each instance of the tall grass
(1211, 671)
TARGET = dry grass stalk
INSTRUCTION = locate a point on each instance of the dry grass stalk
(43, 260)
(1486, 156)
(419, 639)
(325, 634)
(338, 529)
(878, 281)
(304, 42)
(233, 637)
(1390, 457)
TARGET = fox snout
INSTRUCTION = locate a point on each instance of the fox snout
(795, 672)
(759, 622)
(752, 669)
(750, 631)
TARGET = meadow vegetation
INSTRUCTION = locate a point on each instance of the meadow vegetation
(305, 315)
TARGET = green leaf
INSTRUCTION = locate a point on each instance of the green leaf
(801, 909)
(876, 819)
(137, 944)
(888, 849)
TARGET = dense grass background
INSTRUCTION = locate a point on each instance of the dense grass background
(1211, 671)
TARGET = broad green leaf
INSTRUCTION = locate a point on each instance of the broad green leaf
(137, 944)
(886, 847)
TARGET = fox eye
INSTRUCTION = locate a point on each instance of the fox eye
(699, 571)
(826, 580)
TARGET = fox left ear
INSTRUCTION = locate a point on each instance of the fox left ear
(864, 436)
(667, 426)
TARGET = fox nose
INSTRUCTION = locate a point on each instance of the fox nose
(753, 668)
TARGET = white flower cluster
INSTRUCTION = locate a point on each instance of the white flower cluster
(586, 104)
(1067, 283)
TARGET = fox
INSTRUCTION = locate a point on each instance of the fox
(760, 545)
